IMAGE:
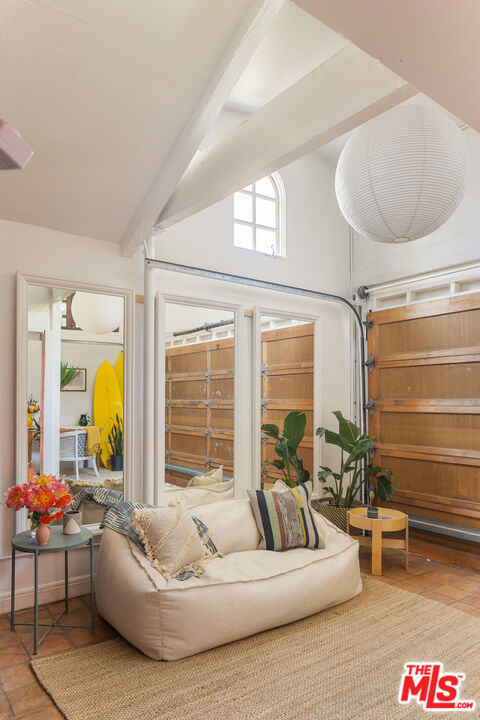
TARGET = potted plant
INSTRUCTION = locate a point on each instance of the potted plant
(286, 447)
(115, 441)
(344, 486)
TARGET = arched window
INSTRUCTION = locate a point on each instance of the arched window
(258, 222)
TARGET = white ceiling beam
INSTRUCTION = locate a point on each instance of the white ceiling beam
(235, 59)
(342, 93)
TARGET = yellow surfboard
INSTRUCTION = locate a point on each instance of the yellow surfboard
(107, 402)
(119, 373)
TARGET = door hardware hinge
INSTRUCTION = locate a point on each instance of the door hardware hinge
(370, 406)
(368, 324)
(264, 370)
(370, 363)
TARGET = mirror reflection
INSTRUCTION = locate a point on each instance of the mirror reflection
(287, 365)
(199, 395)
(75, 390)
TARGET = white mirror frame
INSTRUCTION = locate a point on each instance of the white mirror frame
(258, 312)
(21, 448)
(237, 310)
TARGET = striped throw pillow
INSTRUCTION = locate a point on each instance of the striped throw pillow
(285, 519)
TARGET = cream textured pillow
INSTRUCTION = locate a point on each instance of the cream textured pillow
(171, 539)
(211, 478)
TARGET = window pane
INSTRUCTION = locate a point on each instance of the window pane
(243, 236)
(265, 187)
(267, 241)
(249, 188)
(242, 207)
(265, 210)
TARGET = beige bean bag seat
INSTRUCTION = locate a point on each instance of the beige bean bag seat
(243, 593)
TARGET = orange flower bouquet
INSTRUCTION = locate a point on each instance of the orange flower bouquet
(44, 496)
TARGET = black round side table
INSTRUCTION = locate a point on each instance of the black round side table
(57, 542)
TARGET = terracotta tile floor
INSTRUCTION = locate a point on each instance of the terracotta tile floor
(21, 696)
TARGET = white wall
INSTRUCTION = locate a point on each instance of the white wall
(38, 251)
(454, 243)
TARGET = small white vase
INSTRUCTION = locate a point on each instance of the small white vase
(72, 523)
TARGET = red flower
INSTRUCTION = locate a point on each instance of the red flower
(45, 519)
(63, 501)
(42, 500)
(16, 497)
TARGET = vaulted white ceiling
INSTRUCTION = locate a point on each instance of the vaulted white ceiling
(116, 96)
(102, 90)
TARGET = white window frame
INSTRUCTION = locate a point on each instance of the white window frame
(280, 216)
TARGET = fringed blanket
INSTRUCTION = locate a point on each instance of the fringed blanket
(117, 517)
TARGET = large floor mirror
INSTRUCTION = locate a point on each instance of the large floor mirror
(286, 384)
(199, 392)
(71, 397)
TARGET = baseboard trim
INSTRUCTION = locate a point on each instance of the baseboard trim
(47, 593)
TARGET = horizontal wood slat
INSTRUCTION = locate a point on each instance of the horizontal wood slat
(462, 457)
(436, 502)
(429, 308)
(448, 406)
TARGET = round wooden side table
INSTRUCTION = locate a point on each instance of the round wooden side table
(388, 521)
(58, 542)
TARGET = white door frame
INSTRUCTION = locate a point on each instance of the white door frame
(237, 311)
(258, 312)
(21, 447)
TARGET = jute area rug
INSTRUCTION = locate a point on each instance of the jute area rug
(342, 664)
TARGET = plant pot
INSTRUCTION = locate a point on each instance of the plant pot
(42, 534)
(336, 515)
(372, 512)
(72, 523)
(116, 462)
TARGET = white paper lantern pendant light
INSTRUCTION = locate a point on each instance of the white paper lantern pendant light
(97, 314)
(402, 175)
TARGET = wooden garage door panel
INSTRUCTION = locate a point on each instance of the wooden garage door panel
(222, 359)
(432, 429)
(185, 415)
(289, 387)
(186, 362)
(221, 418)
(221, 449)
(290, 350)
(435, 478)
(222, 389)
(460, 380)
(438, 332)
(192, 444)
(189, 390)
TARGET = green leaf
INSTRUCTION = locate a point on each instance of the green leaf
(359, 450)
(333, 438)
(385, 488)
(347, 429)
(279, 464)
(294, 429)
(271, 430)
(304, 476)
